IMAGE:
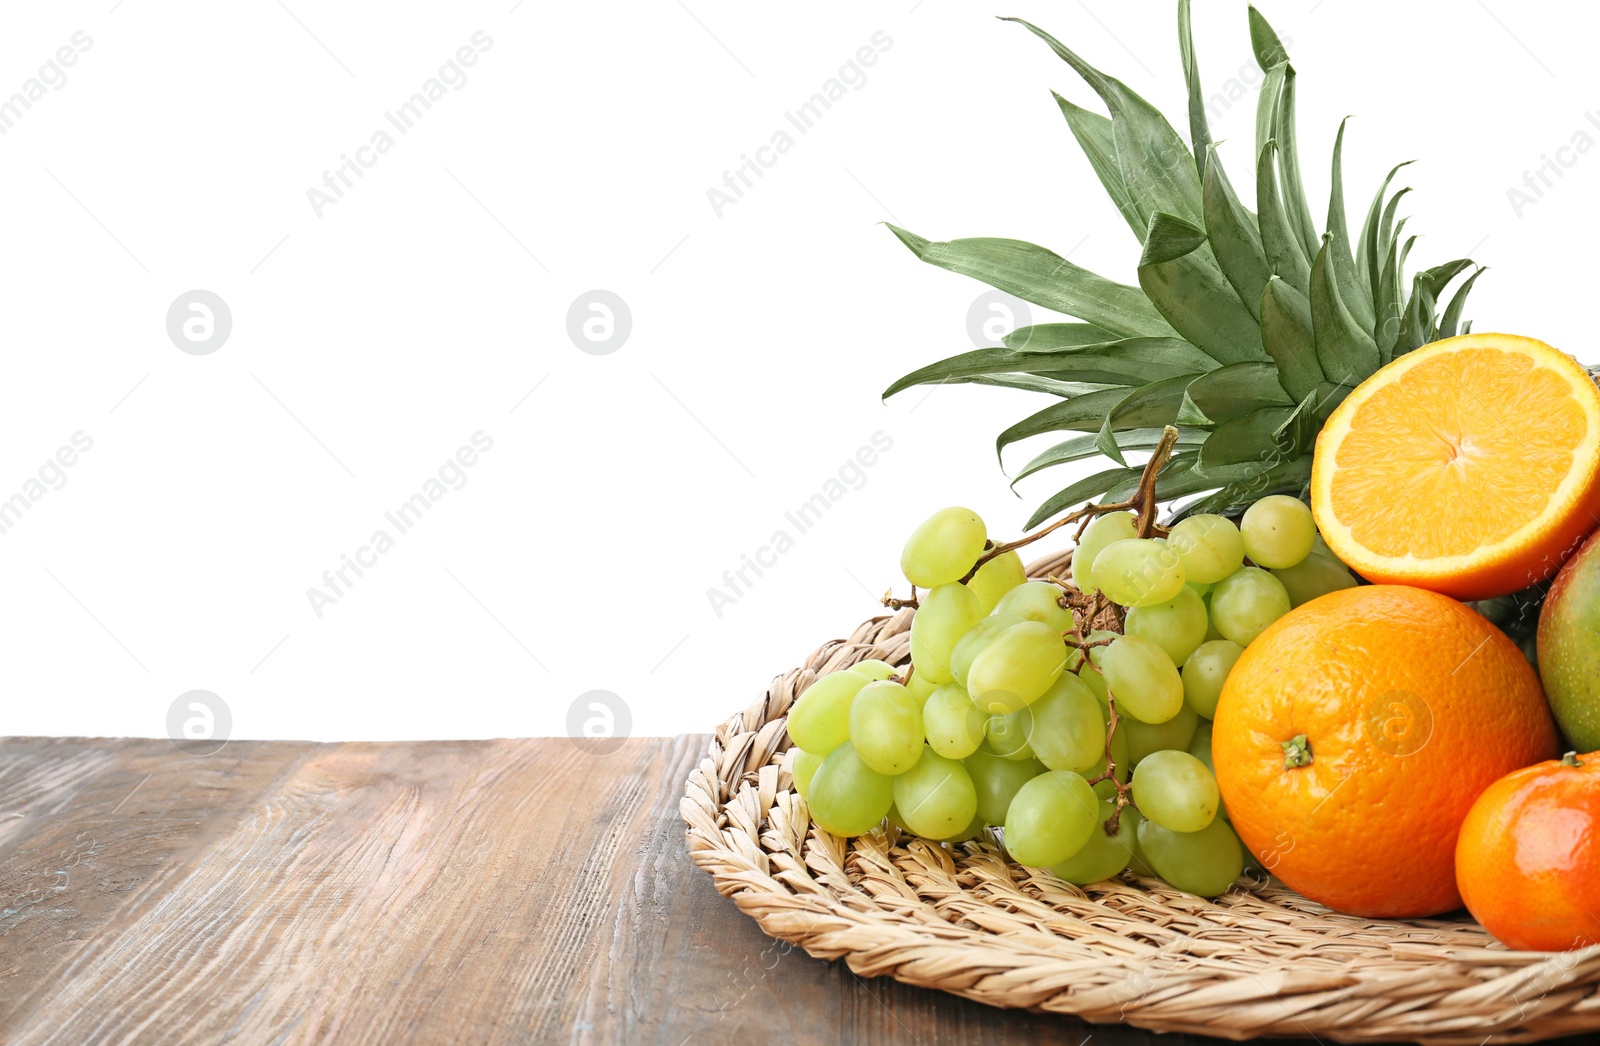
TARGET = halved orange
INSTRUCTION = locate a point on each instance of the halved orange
(1468, 466)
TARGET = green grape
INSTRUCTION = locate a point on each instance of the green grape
(1090, 678)
(1069, 730)
(1009, 735)
(1137, 863)
(952, 723)
(1206, 862)
(886, 727)
(1142, 679)
(1097, 686)
(1201, 590)
(997, 577)
(1177, 626)
(1103, 855)
(1101, 531)
(1119, 751)
(820, 720)
(1175, 790)
(997, 781)
(803, 765)
(943, 548)
(1016, 667)
(1209, 547)
(899, 822)
(1200, 746)
(921, 687)
(1278, 531)
(1211, 619)
(936, 798)
(1245, 602)
(1050, 818)
(1205, 672)
(1314, 576)
(872, 668)
(973, 829)
(1145, 738)
(1037, 601)
(975, 639)
(848, 797)
(1138, 572)
(943, 616)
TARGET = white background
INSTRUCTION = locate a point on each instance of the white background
(371, 342)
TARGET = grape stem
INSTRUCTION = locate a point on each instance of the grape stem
(1124, 791)
(1142, 501)
(1089, 608)
(892, 603)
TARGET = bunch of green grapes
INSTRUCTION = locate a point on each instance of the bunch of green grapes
(1004, 716)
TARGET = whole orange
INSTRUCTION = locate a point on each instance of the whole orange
(1528, 860)
(1354, 734)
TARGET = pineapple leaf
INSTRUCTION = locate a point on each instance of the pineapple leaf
(1286, 477)
(1181, 478)
(1439, 277)
(1184, 476)
(1155, 404)
(1199, 126)
(1398, 286)
(1235, 390)
(1287, 332)
(1269, 50)
(1049, 384)
(1106, 441)
(1391, 301)
(1161, 357)
(1329, 396)
(1123, 489)
(1300, 428)
(1191, 292)
(1053, 337)
(1079, 447)
(1251, 438)
(1458, 301)
(1131, 362)
(1169, 238)
(1416, 327)
(1095, 138)
(1046, 279)
(1277, 239)
(1267, 106)
(994, 361)
(1345, 351)
(1085, 489)
(1369, 262)
(1155, 162)
(1233, 235)
(1357, 298)
(1189, 414)
(1294, 189)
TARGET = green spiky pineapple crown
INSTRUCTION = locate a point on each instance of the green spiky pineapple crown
(1246, 329)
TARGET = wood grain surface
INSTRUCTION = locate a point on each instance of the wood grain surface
(528, 891)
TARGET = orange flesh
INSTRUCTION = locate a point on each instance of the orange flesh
(1453, 435)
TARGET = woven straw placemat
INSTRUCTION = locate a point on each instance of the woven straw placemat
(1259, 960)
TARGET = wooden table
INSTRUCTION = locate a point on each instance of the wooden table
(437, 892)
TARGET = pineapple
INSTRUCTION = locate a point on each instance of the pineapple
(1246, 329)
